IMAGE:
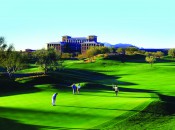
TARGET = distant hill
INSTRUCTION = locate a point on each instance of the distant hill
(119, 45)
(107, 44)
(123, 45)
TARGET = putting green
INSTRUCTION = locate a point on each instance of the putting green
(86, 110)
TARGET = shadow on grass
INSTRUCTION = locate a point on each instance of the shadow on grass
(19, 91)
(22, 75)
(66, 128)
(167, 102)
(60, 80)
(11, 87)
(7, 124)
(66, 78)
(155, 113)
(137, 58)
(150, 118)
(78, 75)
(35, 114)
(63, 80)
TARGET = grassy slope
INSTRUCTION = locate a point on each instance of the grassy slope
(159, 78)
(95, 107)
(140, 77)
(32, 68)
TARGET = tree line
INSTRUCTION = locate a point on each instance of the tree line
(12, 60)
(150, 57)
(50, 60)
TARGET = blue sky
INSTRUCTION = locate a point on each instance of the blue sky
(144, 23)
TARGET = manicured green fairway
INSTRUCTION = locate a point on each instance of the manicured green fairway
(97, 108)
(85, 110)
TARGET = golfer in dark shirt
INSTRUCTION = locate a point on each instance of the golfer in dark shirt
(74, 88)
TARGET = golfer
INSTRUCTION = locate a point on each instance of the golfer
(54, 99)
(78, 88)
(115, 87)
(74, 88)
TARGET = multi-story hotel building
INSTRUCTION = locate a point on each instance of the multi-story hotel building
(75, 44)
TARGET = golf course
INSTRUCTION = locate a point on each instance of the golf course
(145, 99)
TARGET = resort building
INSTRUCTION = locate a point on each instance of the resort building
(75, 44)
(55, 45)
